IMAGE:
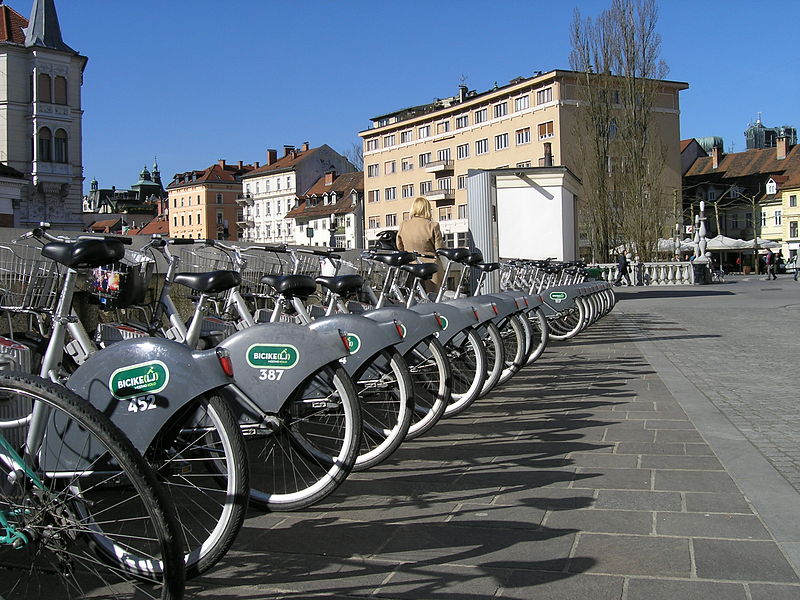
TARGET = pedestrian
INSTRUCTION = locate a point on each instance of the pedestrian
(769, 262)
(622, 270)
(421, 234)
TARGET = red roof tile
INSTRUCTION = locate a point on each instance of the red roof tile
(751, 162)
(285, 162)
(685, 143)
(216, 173)
(342, 185)
(154, 226)
(11, 25)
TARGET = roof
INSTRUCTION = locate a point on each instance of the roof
(43, 28)
(341, 185)
(6, 171)
(101, 226)
(11, 25)
(685, 143)
(286, 163)
(749, 163)
(216, 173)
(155, 226)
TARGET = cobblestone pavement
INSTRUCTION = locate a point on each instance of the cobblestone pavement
(583, 479)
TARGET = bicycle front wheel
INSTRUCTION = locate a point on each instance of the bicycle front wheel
(85, 515)
(467, 357)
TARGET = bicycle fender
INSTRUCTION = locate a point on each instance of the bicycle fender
(365, 337)
(559, 299)
(271, 360)
(140, 383)
(454, 318)
(486, 306)
(415, 326)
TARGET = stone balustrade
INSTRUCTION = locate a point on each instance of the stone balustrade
(652, 273)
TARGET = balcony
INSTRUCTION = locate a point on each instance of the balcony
(439, 165)
(441, 195)
(245, 224)
(244, 200)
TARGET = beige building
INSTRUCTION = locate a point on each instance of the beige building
(428, 150)
(202, 204)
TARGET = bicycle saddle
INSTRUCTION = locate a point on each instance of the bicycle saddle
(421, 271)
(455, 254)
(301, 286)
(84, 253)
(487, 267)
(212, 282)
(474, 258)
(395, 259)
(341, 284)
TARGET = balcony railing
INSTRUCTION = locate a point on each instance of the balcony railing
(246, 224)
(440, 195)
(439, 165)
(244, 200)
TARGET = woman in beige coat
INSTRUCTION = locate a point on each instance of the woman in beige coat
(423, 235)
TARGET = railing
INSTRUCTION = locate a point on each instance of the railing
(654, 273)
(441, 194)
(244, 200)
(439, 165)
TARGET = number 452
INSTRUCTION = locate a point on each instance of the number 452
(141, 403)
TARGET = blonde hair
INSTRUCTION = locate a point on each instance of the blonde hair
(421, 208)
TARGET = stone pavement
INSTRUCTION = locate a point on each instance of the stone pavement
(602, 472)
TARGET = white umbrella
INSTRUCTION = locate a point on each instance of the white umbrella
(723, 242)
(762, 243)
(668, 245)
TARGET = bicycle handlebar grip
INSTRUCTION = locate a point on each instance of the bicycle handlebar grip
(181, 241)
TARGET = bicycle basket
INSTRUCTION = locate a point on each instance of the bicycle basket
(122, 284)
(28, 281)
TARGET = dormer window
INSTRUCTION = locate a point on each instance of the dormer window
(772, 187)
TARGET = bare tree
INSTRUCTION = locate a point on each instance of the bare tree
(617, 59)
(355, 154)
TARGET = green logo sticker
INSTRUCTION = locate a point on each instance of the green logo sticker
(272, 356)
(444, 322)
(353, 343)
(145, 378)
(558, 296)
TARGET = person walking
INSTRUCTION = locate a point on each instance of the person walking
(769, 261)
(421, 234)
(622, 270)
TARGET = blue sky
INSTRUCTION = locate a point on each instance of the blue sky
(192, 81)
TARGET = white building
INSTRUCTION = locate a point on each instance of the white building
(270, 191)
(41, 116)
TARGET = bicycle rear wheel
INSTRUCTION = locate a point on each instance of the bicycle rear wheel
(430, 374)
(85, 511)
(467, 357)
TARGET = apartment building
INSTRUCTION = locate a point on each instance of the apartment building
(331, 213)
(269, 192)
(428, 150)
(203, 203)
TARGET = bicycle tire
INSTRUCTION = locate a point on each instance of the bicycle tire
(430, 375)
(495, 356)
(201, 458)
(540, 329)
(514, 343)
(467, 356)
(96, 519)
(310, 446)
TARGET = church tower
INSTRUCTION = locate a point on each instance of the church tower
(41, 116)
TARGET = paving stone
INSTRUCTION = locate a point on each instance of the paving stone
(699, 450)
(695, 463)
(668, 424)
(767, 591)
(616, 461)
(524, 585)
(741, 561)
(630, 435)
(421, 580)
(615, 479)
(638, 500)
(694, 481)
(670, 589)
(715, 525)
(603, 521)
(679, 435)
(722, 503)
(475, 515)
(655, 448)
(632, 555)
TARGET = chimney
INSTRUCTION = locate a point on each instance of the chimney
(240, 165)
(287, 149)
(304, 147)
(716, 156)
(272, 156)
(548, 154)
(782, 144)
(257, 164)
(221, 162)
(329, 177)
(462, 93)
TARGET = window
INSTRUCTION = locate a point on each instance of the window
(390, 193)
(374, 222)
(462, 121)
(763, 219)
(748, 219)
(777, 217)
(183, 220)
(60, 147)
(43, 92)
(545, 130)
(449, 240)
(267, 231)
(278, 209)
(190, 219)
(425, 187)
(373, 195)
(408, 190)
(500, 110)
(175, 203)
(501, 141)
(462, 151)
(735, 221)
(482, 146)
(60, 90)
(462, 182)
(523, 136)
(423, 132)
(391, 220)
(792, 229)
(772, 187)
(443, 127)
(269, 207)
(444, 154)
(267, 184)
(174, 221)
(372, 144)
(480, 116)
(406, 136)
(461, 239)
(182, 202)
(406, 215)
(544, 96)
(524, 164)
(219, 199)
(424, 159)
(407, 163)
(522, 103)
(220, 217)
(445, 183)
(198, 218)
(278, 230)
(792, 200)
(373, 170)
(462, 211)
(45, 145)
(445, 213)
(388, 140)
(389, 167)
(712, 195)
